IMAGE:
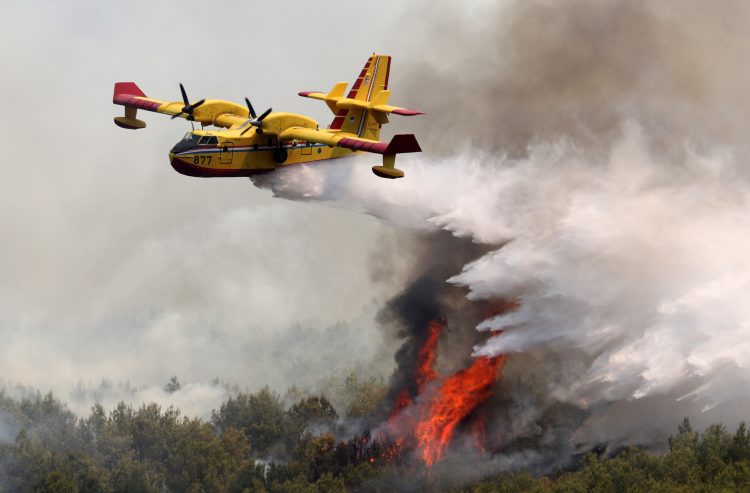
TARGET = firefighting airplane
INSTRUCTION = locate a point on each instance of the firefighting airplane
(249, 144)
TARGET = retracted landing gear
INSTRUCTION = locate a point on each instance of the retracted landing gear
(280, 154)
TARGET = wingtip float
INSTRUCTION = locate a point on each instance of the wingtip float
(246, 143)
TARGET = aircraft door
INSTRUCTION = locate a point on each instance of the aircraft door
(226, 152)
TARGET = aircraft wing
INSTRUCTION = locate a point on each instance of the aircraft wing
(211, 112)
(399, 144)
(128, 94)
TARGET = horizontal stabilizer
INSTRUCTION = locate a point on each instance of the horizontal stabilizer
(313, 95)
(398, 111)
(336, 101)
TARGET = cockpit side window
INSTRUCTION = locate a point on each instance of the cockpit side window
(206, 140)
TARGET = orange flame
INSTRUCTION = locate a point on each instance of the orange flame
(423, 371)
(435, 415)
(456, 398)
(402, 402)
(426, 356)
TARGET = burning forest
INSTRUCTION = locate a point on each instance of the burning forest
(438, 393)
(559, 280)
(609, 192)
(423, 425)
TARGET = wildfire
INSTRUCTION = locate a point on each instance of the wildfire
(435, 412)
(402, 402)
(456, 398)
(427, 355)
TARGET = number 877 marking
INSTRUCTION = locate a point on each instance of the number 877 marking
(202, 159)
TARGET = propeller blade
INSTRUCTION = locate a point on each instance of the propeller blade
(184, 95)
(267, 112)
(195, 105)
(250, 108)
(248, 128)
(177, 115)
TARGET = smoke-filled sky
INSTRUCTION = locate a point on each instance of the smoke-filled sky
(115, 267)
(601, 143)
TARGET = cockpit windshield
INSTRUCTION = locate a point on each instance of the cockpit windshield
(200, 139)
(209, 140)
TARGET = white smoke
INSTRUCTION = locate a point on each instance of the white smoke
(606, 158)
(635, 260)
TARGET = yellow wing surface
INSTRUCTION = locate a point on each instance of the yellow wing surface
(215, 112)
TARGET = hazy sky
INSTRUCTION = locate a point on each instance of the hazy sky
(113, 265)
(604, 140)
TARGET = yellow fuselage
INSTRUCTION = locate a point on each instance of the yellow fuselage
(213, 153)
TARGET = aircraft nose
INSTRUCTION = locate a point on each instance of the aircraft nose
(182, 146)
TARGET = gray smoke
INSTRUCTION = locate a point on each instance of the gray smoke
(603, 145)
(426, 298)
(512, 75)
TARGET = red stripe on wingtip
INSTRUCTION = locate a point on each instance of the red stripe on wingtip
(406, 112)
(360, 145)
(131, 88)
(135, 102)
(399, 144)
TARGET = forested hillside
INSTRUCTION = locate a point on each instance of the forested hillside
(259, 442)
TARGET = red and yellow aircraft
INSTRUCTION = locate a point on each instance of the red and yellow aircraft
(248, 144)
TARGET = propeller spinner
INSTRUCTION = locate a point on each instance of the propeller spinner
(255, 121)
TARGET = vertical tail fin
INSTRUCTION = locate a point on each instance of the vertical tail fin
(371, 81)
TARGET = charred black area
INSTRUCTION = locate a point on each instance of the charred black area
(428, 297)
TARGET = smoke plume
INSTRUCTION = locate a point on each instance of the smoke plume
(598, 149)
